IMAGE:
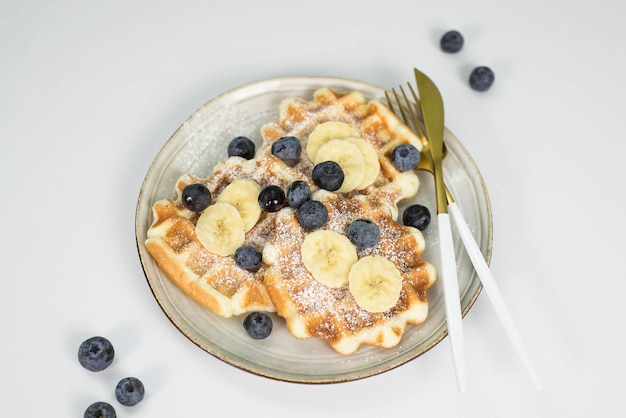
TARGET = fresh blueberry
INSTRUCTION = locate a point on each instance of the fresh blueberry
(96, 353)
(129, 391)
(363, 233)
(405, 157)
(481, 78)
(258, 325)
(196, 197)
(241, 147)
(100, 410)
(451, 41)
(417, 216)
(298, 193)
(312, 215)
(287, 148)
(272, 199)
(328, 175)
(248, 258)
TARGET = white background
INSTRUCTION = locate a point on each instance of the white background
(90, 91)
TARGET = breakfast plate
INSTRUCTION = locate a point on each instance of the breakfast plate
(201, 142)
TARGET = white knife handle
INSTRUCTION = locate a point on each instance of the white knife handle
(492, 290)
(450, 282)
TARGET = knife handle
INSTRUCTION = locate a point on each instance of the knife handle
(491, 288)
(450, 282)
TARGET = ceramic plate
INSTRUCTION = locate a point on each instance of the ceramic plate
(200, 142)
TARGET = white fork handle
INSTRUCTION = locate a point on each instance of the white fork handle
(450, 282)
(491, 288)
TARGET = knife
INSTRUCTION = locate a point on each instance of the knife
(432, 110)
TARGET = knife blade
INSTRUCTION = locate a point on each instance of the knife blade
(431, 105)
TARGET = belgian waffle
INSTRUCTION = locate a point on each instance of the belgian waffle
(312, 309)
(212, 280)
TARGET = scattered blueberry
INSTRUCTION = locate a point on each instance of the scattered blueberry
(100, 410)
(248, 258)
(328, 175)
(481, 78)
(258, 325)
(272, 199)
(287, 148)
(298, 193)
(96, 354)
(405, 157)
(196, 197)
(417, 216)
(129, 391)
(241, 147)
(451, 41)
(363, 233)
(312, 215)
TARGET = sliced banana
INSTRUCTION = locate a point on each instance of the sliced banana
(349, 158)
(328, 256)
(220, 229)
(243, 194)
(370, 158)
(375, 283)
(326, 131)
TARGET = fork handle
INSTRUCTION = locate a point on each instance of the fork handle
(491, 288)
(451, 297)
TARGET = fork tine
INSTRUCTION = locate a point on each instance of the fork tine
(403, 106)
(390, 103)
(415, 107)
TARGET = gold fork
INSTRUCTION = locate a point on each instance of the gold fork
(433, 153)
(409, 111)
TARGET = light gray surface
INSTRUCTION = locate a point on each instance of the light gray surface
(90, 91)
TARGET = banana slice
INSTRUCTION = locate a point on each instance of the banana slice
(375, 283)
(243, 194)
(370, 158)
(349, 158)
(328, 256)
(326, 131)
(220, 229)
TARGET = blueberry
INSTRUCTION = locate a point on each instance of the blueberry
(96, 354)
(272, 199)
(405, 157)
(298, 193)
(417, 216)
(451, 41)
(481, 78)
(241, 147)
(100, 410)
(312, 215)
(129, 391)
(363, 233)
(248, 258)
(196, 197)
(328, 175)
(287, 148)
(258, 325)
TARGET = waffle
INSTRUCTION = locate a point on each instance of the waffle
(212, 280)
(375, 123)
(283, 283)
(312, 309)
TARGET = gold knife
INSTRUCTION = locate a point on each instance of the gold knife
(431, 106)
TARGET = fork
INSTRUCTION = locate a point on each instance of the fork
(409, 111)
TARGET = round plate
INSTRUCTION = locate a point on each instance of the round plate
(201, 142)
